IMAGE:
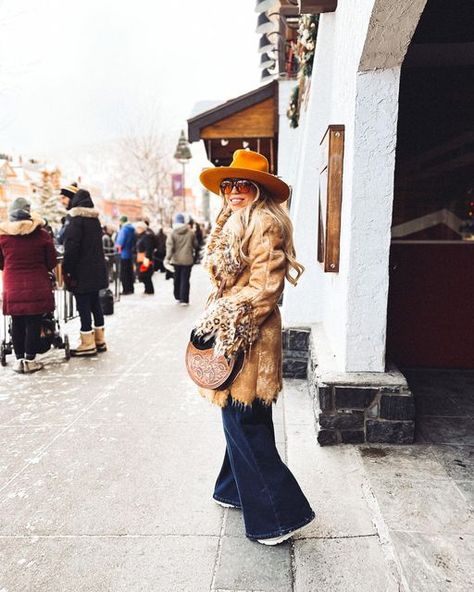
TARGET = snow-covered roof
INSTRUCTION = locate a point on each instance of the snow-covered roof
(202, 106)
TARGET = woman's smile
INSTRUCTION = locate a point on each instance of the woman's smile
(238, 200)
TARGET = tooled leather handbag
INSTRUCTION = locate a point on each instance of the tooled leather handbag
(205, 368)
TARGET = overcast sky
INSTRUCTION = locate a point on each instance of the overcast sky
(76, 72)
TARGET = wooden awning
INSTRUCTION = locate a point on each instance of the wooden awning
(248, 121)
(317, 6)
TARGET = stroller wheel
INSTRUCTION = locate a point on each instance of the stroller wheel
(58, 342)
(3, 354)
(67, 349)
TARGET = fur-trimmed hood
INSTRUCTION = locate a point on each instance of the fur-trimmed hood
(21, 227)
(84, 212)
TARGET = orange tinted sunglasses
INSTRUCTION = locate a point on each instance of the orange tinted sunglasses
(241, 185)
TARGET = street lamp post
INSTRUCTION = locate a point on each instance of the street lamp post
(183, 156)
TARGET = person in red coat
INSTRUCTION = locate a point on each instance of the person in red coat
(27, 255)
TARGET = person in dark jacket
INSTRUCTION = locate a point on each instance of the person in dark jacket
(145, 246)
(196, 228)
(109, 252)
(85, 270)
(160, 251)
(125, 243)
(65, 195)
(27, 256)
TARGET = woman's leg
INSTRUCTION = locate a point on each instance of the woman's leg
(83, 303)
(33, 332)
(177, 282)
(19, 336)
(127, 276)
(96, 309)
(185, 279)
(225, 489)
(148, 283)
(272, 501)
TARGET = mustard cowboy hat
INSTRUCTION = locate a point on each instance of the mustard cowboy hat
(249, 165)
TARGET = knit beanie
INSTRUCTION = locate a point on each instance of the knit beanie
(69, 190)
(19, 209)
(179, 219)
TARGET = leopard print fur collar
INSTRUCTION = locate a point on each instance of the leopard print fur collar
(222, 259)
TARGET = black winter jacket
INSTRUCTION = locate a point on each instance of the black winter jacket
(84, 259)
(146, 243)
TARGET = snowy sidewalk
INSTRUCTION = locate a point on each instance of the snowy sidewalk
(107, 467)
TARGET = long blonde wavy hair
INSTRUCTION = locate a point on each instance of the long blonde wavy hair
(243, 223)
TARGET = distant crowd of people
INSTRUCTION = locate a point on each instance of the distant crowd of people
(171, 251)
(91, 253)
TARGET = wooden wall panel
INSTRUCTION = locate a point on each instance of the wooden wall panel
(254, 122)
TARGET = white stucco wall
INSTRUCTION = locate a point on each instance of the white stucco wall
(352, 303)
(287, 136)
(320, 296)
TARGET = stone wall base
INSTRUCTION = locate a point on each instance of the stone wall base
(349, 407)
(295, 352)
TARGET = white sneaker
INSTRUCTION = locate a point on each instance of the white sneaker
(18, 367)
(30, 366)
(224, 505)
(184, 303)
(280, 539)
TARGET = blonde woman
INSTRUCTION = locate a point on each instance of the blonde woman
(249, 254)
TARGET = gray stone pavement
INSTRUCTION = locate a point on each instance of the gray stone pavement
(107, 467)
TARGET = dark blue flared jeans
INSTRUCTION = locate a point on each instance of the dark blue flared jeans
(253, 476)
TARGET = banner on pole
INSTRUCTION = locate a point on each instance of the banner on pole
(177, 184)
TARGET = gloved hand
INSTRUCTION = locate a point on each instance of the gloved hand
(202, 341)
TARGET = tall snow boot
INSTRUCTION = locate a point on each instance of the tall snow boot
(87, 346)
(99, 336)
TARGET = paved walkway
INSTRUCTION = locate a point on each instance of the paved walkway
(107, 467)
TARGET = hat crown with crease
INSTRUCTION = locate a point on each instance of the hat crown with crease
(250, 165)
(246, 159)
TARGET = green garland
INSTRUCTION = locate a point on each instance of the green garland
(307, 33)
(293, 108)
(306, 47)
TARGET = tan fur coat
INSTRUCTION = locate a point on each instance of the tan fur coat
(246, 318)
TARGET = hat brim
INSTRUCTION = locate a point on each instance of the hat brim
(211, 179)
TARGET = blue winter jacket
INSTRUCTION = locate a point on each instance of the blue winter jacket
(126, 240)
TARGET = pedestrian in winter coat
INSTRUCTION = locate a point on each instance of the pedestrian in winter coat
(249, 255)
(27, 256)
(145, 247)
(85, 270)
(125, 243)
(107, 242)
(160, 251)
(109, 252)
(180, 246)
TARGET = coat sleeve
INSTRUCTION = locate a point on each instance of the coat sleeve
(51, 257)
(234, 320)
(169, 246)
(119, 241)
(72, 245)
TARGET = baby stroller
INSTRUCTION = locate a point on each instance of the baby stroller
(50, 336)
